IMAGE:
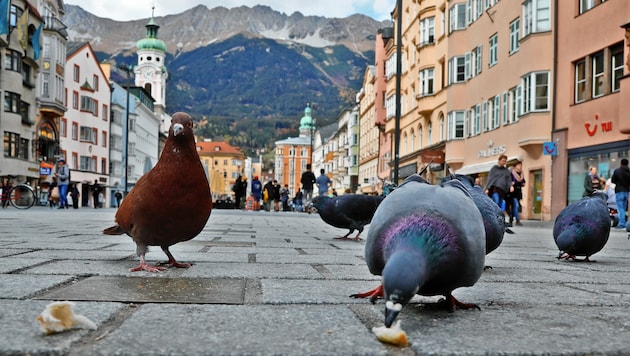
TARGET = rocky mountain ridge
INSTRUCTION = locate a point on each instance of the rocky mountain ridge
(201, 26)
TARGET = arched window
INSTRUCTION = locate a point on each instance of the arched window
(420, 137)
(404, 145)
(442, 131)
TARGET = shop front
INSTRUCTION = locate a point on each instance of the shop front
(605, 157)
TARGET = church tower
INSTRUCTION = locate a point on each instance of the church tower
(150, 72)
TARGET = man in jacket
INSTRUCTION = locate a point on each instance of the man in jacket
(621, 178)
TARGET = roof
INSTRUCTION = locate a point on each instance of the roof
(328, 131)
(302, 140)
(217, 147)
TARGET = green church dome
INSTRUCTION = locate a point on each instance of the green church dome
(151, 41)
(306, 123)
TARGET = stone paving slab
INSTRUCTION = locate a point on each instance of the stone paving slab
(15, 286)
(224, 329)
(153, 290)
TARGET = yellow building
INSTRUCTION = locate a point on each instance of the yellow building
(223, 164)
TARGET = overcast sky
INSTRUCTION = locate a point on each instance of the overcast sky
(123, 10)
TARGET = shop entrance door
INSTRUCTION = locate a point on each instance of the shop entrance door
(536, 194)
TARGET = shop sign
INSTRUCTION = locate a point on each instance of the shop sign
(492, 150)
(591, 129)
(550, 149)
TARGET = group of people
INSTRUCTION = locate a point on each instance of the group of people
(277, 198)
(505, 187)
(616, 188)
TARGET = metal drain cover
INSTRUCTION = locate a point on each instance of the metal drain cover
(153, 290)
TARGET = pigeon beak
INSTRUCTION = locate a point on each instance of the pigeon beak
(177, 129)
(391, 312)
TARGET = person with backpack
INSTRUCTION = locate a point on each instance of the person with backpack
(257, 193)
(63, 179)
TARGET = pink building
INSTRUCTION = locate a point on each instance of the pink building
(592, 94)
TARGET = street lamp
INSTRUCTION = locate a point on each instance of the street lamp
(397, 95)
(127, 69)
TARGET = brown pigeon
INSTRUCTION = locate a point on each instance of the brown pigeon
(169, 204)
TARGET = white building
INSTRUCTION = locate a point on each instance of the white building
(151, 73)
(85, 127)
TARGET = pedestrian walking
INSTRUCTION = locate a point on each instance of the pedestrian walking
(621, 179)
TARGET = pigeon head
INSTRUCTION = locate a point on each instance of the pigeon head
(402, 276)
(319, 202)
(181, 124)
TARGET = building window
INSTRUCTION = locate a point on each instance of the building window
(88, 104)
(455, 125)
(104, 138)
(45, 91)
(442, 132)
(14, 14)
(15, 146)
(75, 100)
(12, 60)
(12, 102)
(515, 104)
(457, 70)
(87, 163)
(457, 17)
(105, 112)
(586, 5)
(473, 62)
(475, 114)
(616, 66)
(598, 74)
(24, 112)
(505, 108)
(87, 134)
(535, 92)
(442, 22)
(75, 131)
(63, 127)
(494, 56)
(95, 82)
(75, 73)
(515, 36)
(580, 81)
(426, 82)
(536, 16)
(104, 165)
(427, 31)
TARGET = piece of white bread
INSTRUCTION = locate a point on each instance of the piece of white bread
(394, 335)
(58, 317)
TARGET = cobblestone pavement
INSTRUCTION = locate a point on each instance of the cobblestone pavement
(278, 283)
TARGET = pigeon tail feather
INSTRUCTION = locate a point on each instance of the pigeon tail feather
(114, 230)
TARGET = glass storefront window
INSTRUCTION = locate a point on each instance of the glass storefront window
(605, 161)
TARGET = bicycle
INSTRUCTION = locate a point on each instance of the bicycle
(22, 196)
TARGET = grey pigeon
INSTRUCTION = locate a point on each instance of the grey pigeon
(582, 228)
(493, 218)
(348, 211)
(427, 240)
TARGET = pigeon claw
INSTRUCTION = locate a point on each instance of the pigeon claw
(452, 303)
(145, 267)
(373, 294)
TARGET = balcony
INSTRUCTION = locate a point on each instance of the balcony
(54, 24)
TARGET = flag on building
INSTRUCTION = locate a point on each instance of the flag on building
(4, 16)
(36, 41)
(22, 30)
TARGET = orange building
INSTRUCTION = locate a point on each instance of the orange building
(294, 153)
(223, 164)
